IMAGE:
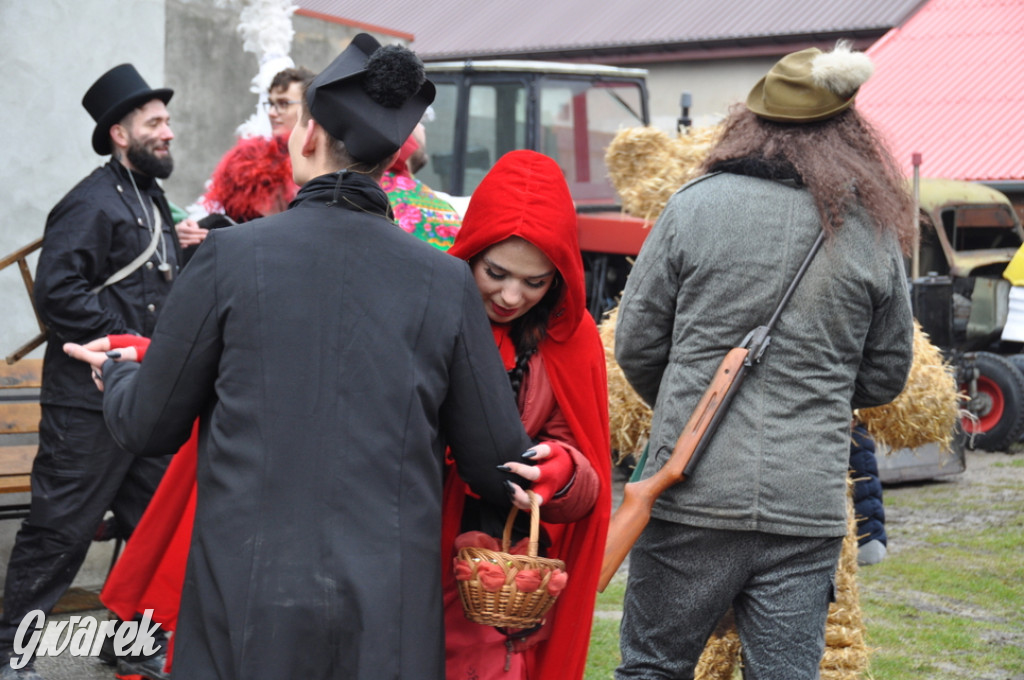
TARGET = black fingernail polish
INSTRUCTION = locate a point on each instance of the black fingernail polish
(504, 468)
(509, 488)
(530, 454)
(114, 354)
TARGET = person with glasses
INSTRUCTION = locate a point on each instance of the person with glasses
(285, 97)
(225, 202)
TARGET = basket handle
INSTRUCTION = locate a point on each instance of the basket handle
(506, 536)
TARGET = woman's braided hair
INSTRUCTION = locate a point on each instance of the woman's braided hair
(529, 330)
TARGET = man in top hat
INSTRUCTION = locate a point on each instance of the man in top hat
(108, 259)
(759, 524)
(331, 360)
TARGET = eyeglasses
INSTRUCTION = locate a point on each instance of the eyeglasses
(281, 105)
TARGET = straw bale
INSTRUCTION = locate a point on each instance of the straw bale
(647, 166)
(846, 654)
(629, 416)
(927, 409)
(720, 657)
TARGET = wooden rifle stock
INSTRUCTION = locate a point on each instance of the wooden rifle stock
(633, 515)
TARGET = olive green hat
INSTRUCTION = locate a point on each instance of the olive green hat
(810, 85)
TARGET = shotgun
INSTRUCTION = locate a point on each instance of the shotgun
(638, 498)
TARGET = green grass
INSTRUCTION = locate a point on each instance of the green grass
(951, 607)
(604, 650)
(946, 604)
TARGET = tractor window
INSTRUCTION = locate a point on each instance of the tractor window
(980, 228)
(440, 138)
(497, 125)
(578, 120)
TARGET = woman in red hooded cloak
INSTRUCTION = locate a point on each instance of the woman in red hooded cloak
(519, 237)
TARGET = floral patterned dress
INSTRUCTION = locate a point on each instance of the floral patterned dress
(420, 212)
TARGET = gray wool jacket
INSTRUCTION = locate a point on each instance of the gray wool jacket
(714, 267)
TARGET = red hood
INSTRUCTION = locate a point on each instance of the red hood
(525, 195)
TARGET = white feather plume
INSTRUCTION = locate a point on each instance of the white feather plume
(841, 71)
(266, 26)
(266, 30)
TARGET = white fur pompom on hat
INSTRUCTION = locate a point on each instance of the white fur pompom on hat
(810, 85)
(841, 71)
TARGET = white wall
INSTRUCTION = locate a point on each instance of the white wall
(53, 50)
(715, 86)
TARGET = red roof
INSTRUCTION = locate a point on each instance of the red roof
(949, 84)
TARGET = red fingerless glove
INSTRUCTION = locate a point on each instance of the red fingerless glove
(556, 471)
(140, 343)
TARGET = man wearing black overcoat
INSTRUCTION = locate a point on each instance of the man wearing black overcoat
(331, 360)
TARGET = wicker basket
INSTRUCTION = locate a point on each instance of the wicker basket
(509, 607)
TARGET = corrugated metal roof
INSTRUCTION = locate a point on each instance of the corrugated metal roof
(452, 28)
(950, 85)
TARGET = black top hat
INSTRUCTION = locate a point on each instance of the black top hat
(113, 96)
(371, 97)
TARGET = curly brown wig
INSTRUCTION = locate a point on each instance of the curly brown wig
(842, 161)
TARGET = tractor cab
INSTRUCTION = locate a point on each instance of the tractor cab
(570, 112)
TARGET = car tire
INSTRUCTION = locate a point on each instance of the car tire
(1001, 393)
(1018, 361)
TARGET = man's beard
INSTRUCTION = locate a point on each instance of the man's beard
(147, 163)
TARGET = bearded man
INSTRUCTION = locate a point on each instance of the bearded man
(108, 259)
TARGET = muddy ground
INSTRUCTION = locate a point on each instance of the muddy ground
(988, 494)
(974, 498)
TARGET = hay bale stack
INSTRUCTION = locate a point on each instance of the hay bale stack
(928, 408)
(647, 166)
(721, 655)
(846, 653)
(629, 416)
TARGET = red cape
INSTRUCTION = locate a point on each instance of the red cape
(151, 571)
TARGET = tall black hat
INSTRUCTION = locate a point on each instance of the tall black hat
(113, 96)
(371, 97)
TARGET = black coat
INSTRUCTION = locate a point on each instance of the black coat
(331, 358)
(94, 231)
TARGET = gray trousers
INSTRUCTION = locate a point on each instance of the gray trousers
(683, 579)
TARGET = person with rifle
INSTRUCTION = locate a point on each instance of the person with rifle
(757, 523)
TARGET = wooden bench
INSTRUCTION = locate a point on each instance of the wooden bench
(20, 258)
(19, 436)
(19, 430)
